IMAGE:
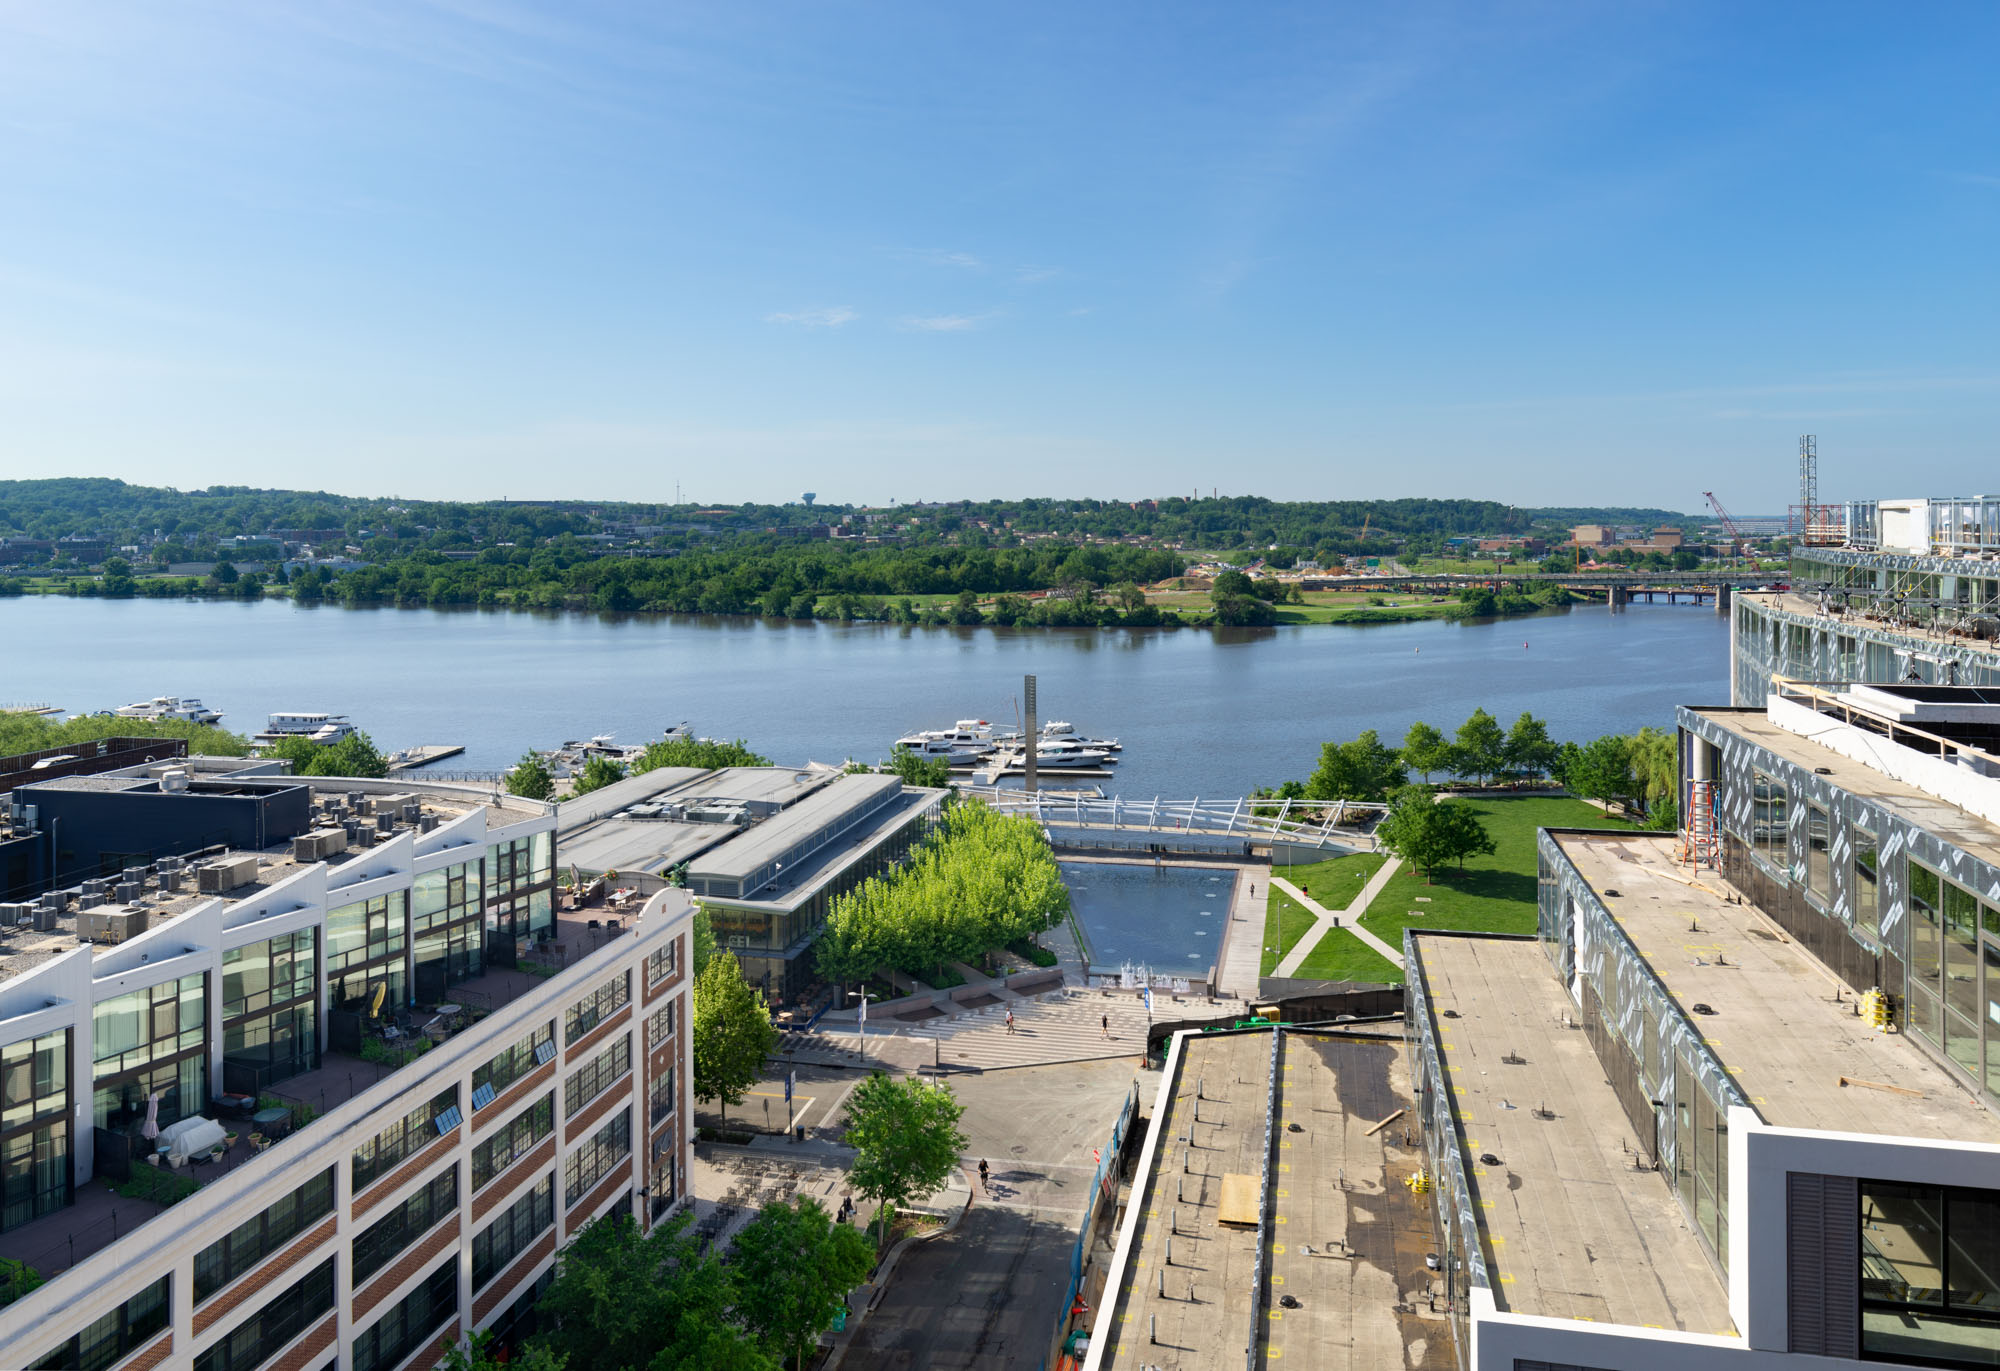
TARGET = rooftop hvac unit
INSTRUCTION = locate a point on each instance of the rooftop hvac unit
(129, 891)
(45, 921)
(174, 781)
(136, 873)
(12, 914)
(217, 877)
(355, 799)
(412, 812)
(31, 816)
(385, 822)
(170, 882)
(427, 822)
(54, 899)
(391, 804)
(90, 899)
(114, 925)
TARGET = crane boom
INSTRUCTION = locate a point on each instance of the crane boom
(1723, 515)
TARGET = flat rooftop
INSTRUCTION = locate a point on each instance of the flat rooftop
(1926, 811)
(1569, 1226)
(611, 830)
(1777, 1027)
(764, 842)
(800, 879)
(1351, 1238)
(22, 948)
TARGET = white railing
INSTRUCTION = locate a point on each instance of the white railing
(1319, 821)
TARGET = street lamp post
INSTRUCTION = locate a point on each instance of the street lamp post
(863, 994)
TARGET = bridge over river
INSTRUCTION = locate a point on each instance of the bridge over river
(1616, 588)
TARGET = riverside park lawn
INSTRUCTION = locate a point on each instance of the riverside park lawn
(1494, 894)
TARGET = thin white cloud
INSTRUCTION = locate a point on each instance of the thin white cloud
(1034, 276)
(815, 318)
(946, 323)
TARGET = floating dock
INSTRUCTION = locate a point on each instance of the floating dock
(989, 770)
(410, 758)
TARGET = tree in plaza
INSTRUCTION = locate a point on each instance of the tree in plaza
(1481, 746)
(1360, 769)
(794, 1266)
(918, 770)
(1426, 749)
(598, 773)
(1530, 751)
(1602, 769)
(1459, 832)
(905, 1139)
(627, 1301)
(733, 1033)
(530, 778)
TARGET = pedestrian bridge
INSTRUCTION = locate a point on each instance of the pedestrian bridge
(1218, 827)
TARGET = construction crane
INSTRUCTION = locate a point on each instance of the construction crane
(1738, 543)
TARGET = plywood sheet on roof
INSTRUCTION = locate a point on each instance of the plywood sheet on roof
(1242, 1198)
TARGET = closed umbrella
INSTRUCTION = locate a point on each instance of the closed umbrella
(151, 1128)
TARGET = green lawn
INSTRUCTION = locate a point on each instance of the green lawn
(1340, 956)
(1495, 894)
(1335, 882)
(1285, 922)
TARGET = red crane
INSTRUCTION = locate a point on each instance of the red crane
(1736, 534)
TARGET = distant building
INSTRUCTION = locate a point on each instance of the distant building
(1593, 535)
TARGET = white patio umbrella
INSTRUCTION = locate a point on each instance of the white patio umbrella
(151, 1128)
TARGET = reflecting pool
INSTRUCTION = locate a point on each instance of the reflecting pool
(1167, 918)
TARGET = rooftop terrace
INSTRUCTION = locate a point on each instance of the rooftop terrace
(1778, 1028)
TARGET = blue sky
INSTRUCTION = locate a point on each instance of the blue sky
(1542, 253)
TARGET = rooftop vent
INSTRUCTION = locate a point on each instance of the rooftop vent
(218, 877)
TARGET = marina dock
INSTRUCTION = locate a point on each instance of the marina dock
(410, 758)
(989, 770)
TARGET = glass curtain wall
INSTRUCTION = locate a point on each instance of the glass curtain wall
(151, 1042)
(1952, 990)
(34, 1128)
(1930, 1274)
(449, 930)
(520, 893)
(366, 952)
(270, 1007)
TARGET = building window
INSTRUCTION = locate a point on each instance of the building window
(248, 1244)
(1767, 822)
(270, 1004)
(664, 962)
(660, 1027)
(449, 930)
(1930, 1274)
(115, 1336)
(1867, 888)
(591, 1079)
(593, 1161)
(384, 1240)
(660, 1097)
(34, 1128)
(594, 1008)
(508, 1236)
(490, 1080)
(1819, 861)
(395, 1337)
(377, 1158)
(254, 1341)
(365, 950)
(147, 1042)
(514, 1140)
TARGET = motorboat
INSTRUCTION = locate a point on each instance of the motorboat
(954, 754)
(1064, 757)
(319, 728)
(187, 710)
(973, 736)
(1062, 732)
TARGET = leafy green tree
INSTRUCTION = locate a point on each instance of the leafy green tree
(17, 1278)
(1429, 833)
(794, 1267)
(1654, 756)
(1231, 583)
(1530, 751)
(224, 574)
(477, 1353)
(1459, 832)
(354, 755)
(965, 609)
(1426, 749)
(1362, 768)
(626, 1301)
(1242, 611)
(530, 778)
(733, 1033)
(1602, 769)
(918, 770)
(707, 753)
(597, 773)
(1480, 748)
(703, 941)
(905, 1139)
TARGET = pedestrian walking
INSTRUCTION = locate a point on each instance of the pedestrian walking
(985, 1183)
(1010, 1021)
(1107, 1027)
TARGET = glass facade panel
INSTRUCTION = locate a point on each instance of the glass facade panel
(258, 1338)
(1767, 821)
(511, 1065)
(1867, 891)
(115, 1336)
(34, 1128)
(591, 1079)
(395, 1337)
(1961, 950)
(379, 1156)
(513, 1140)
(590, 1163)
(151, 1042)
(1992, 1016)
(508, 1236)
(594, 1008)
(389, 1236)
(1928, 1274)
(248, 1244)
(270, 1011)
(1819, 862)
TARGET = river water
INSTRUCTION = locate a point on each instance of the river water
(1200, 712)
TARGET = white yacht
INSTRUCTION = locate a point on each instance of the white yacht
(319, 728)
(189, 710)
(955, 754)
(974, 736)
(1061, 732)
(1064, 756)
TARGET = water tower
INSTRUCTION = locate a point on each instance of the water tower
(809, 497)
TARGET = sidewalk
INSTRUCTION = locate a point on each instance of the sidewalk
(1327, 919)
